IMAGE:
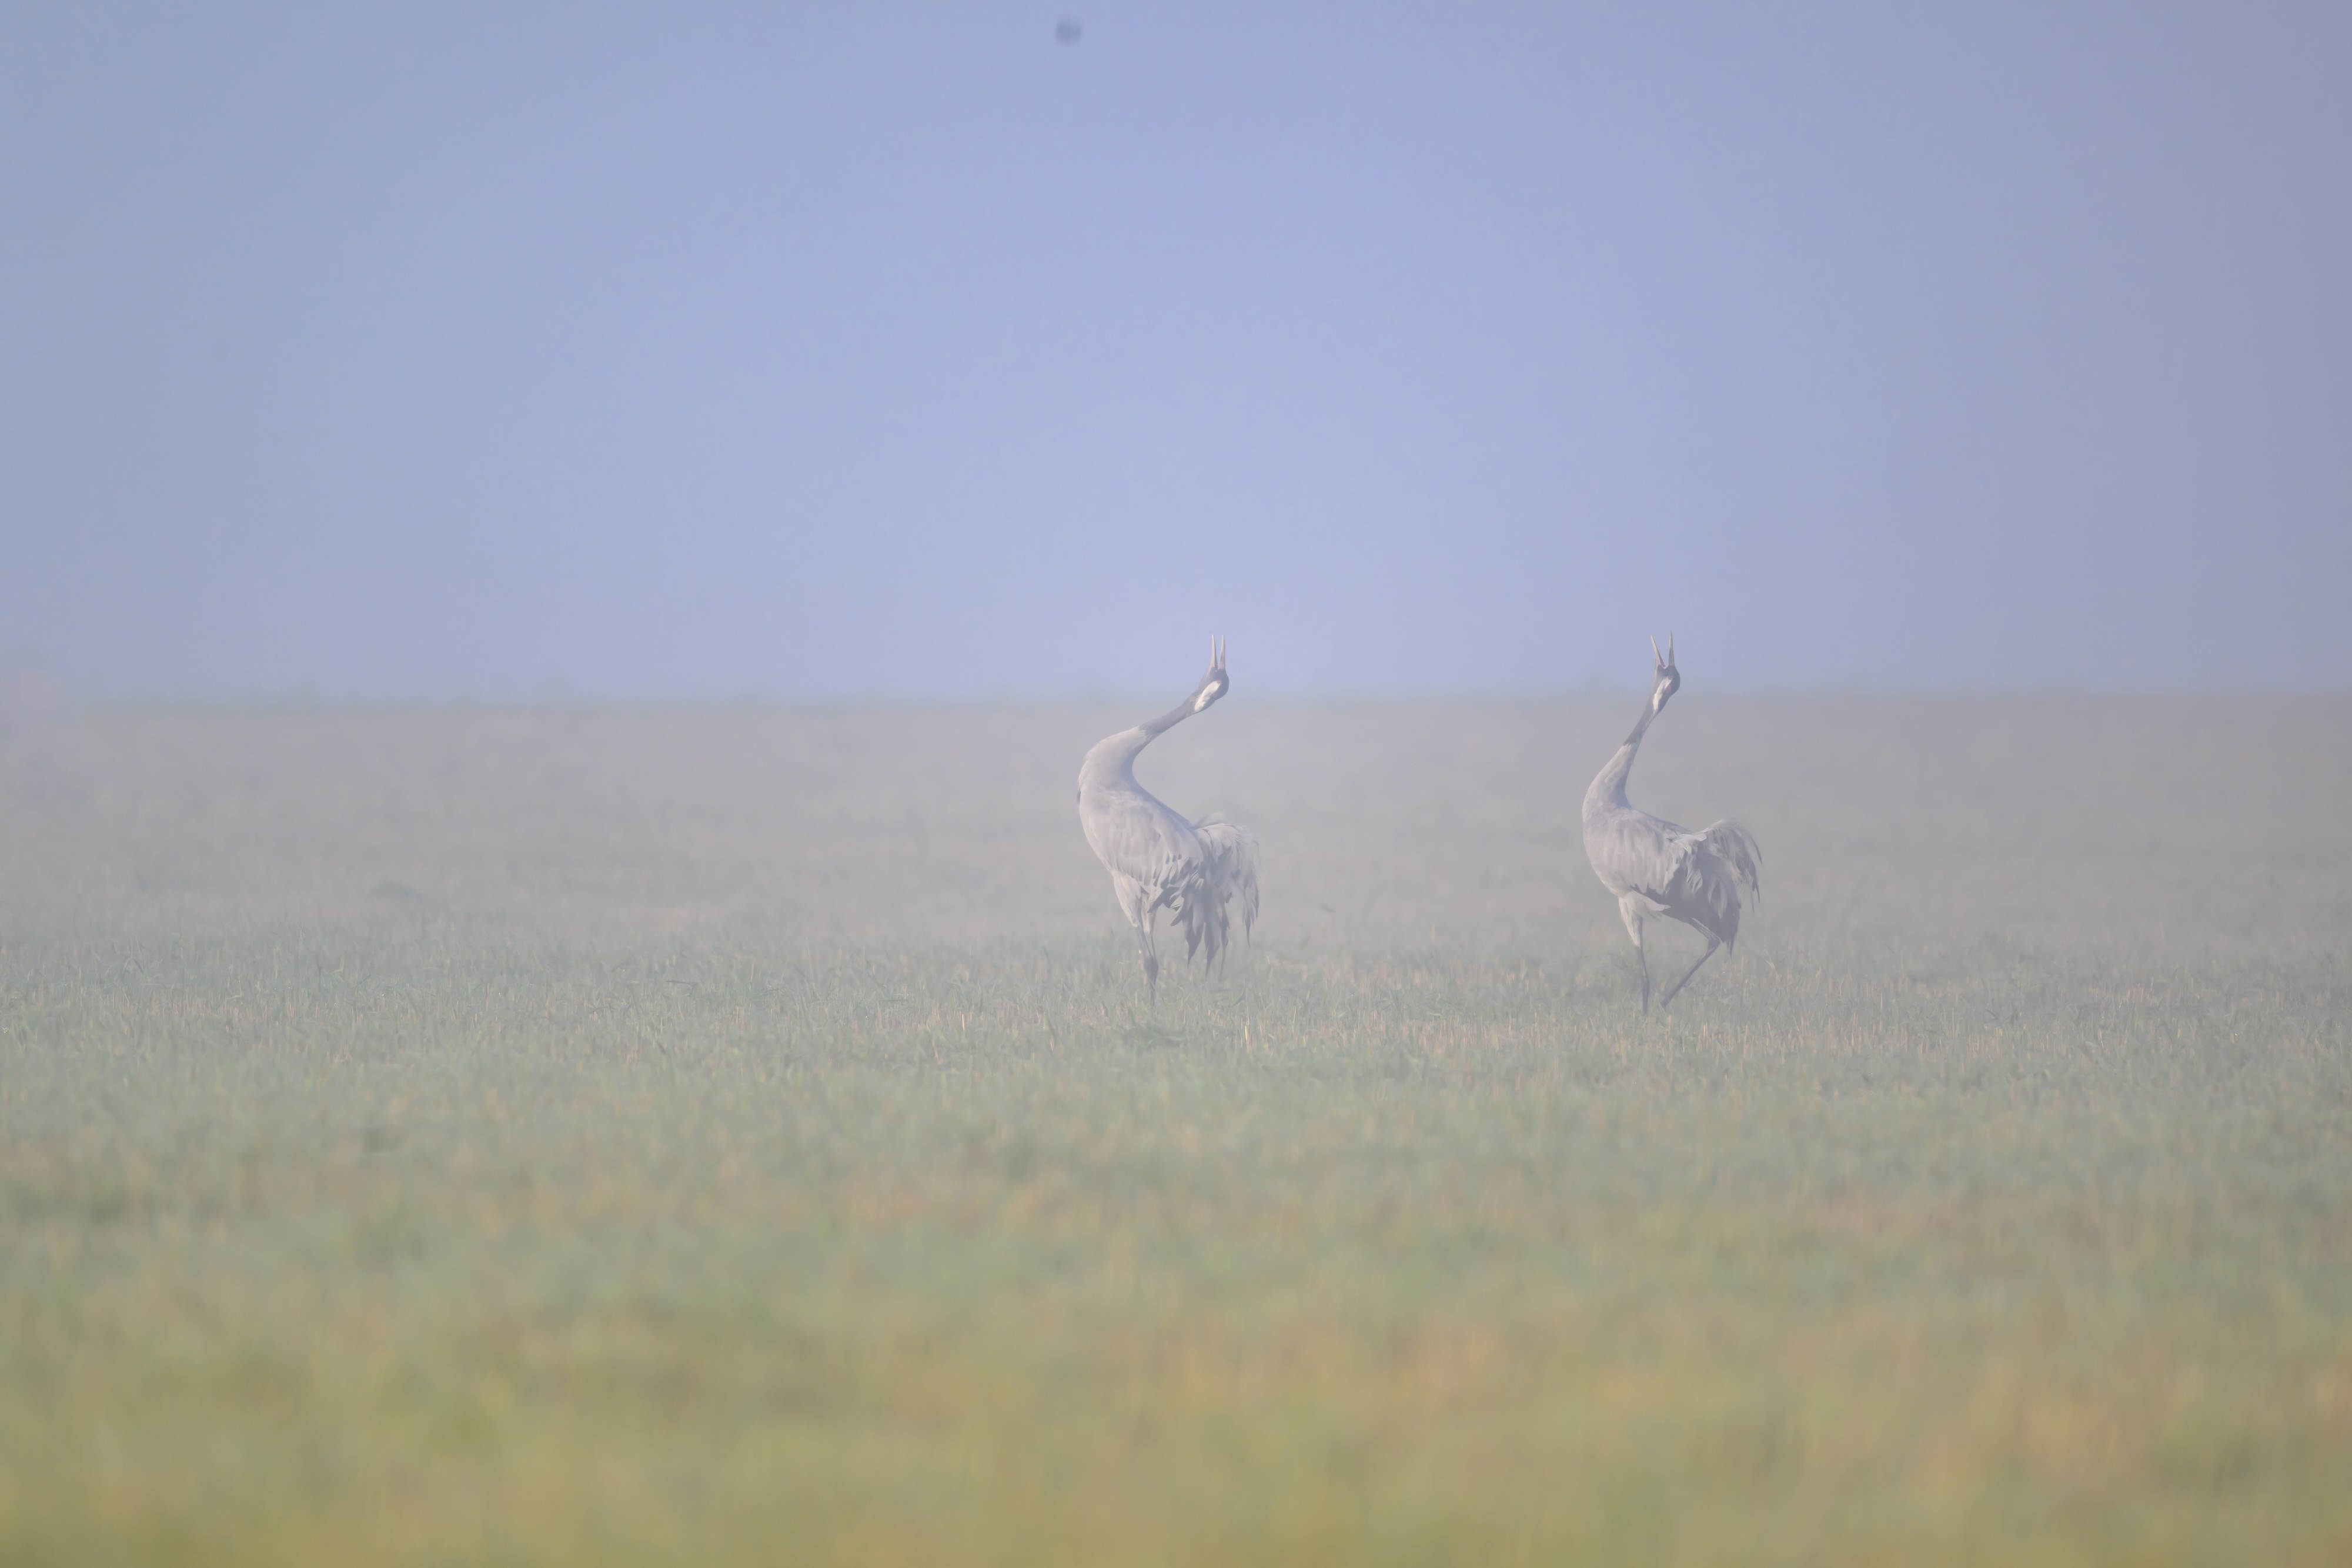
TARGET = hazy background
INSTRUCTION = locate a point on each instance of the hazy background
(946, 349)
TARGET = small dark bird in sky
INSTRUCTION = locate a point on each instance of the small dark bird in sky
(1068, 31)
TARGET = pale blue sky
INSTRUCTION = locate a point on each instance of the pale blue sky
(419, 350)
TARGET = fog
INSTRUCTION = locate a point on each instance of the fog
(948, 351)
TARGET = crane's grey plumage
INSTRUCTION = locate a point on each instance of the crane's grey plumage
(1658, 868)
(1157, 860)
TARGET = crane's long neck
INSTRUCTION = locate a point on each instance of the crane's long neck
(1119, 751)
(1167, 721)
(1609, 784)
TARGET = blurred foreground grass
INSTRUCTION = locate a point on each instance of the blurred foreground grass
(736, 1134)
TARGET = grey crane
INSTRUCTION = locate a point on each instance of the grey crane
(1157, 860)
(1659, 869)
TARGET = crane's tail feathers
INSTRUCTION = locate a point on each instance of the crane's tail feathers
(1735, 846)
(1228, 878)
(1232, 857)
(1732, 848)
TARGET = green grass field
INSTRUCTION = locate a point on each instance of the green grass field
(592, 1135)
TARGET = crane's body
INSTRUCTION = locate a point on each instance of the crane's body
(1157, 860)
(1661, 869)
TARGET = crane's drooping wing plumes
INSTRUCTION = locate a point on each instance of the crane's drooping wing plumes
(1708, 871)
(1228, 876)
(1732, 850)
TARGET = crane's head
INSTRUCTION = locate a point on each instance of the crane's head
(1668, 679)
(1213, 685)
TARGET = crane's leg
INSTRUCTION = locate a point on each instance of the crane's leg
(1151, 957)
(1131, 904)
(1712, 944)
(1633, 917)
